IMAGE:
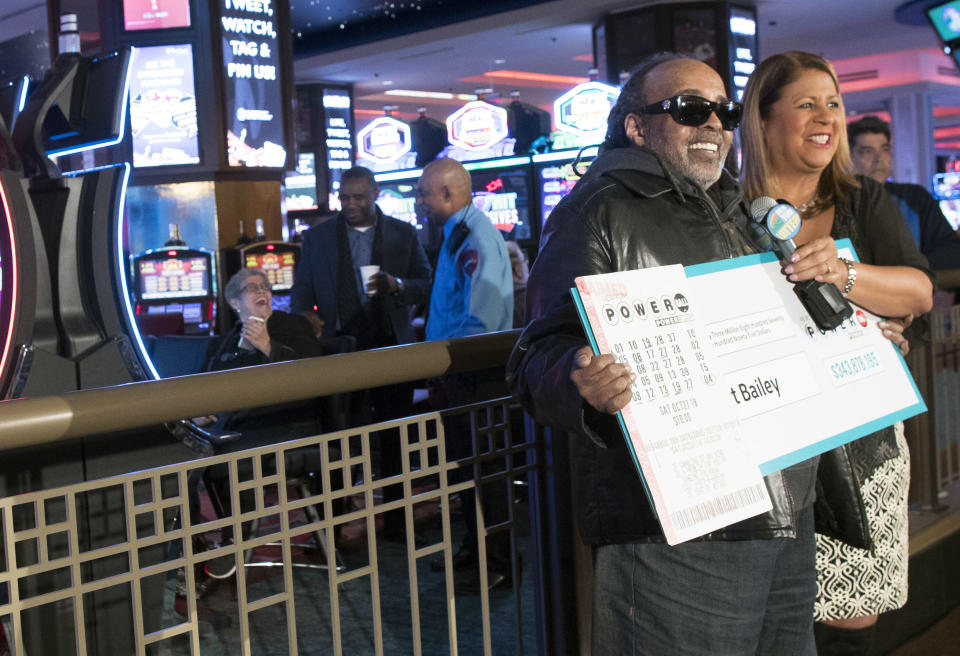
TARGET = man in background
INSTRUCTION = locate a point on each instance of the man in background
(327, 288)
(329, 291)
(472, 294)
(870, 152)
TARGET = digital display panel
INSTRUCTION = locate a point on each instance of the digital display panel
(946, 185)
(155, 14)
(338, 138)
(282, 302)
(163, 107)
(301, 186)
(254, 94)
(742, 48)
(279, 267)
(504, 196)
(172, 277)
(399, 200)
(556, 180)
(945, 18)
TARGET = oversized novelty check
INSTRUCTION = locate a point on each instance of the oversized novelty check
(735, 381)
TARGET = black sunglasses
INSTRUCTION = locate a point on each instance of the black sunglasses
(695, 111)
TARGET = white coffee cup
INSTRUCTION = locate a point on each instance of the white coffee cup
(367, 272)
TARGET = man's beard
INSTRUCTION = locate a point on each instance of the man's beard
(685, 161)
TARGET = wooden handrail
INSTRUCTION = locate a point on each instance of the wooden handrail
(26, 422)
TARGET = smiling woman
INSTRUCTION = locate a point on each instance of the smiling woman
(795, 148)
(261, 335)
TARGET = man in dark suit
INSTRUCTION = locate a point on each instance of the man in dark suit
(327, 288)
(329, 292)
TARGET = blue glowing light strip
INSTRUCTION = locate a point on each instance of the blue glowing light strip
(23, 93)
(122, 275)
(123, 119)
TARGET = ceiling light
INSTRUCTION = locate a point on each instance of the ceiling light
(419, 94)
(536, 77)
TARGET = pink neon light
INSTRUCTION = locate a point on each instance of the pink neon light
(14, 280)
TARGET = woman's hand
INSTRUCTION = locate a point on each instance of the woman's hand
(255, 332)
(817, 260)
(893, 330)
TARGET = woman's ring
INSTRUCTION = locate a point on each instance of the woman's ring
(828, 268)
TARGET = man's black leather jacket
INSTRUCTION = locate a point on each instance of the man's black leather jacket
(630, 211)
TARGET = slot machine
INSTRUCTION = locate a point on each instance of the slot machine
(174, 292)
(502, 191)
(277, 259)
(556, 174)
(70, 119)
(25, 295)
(946, 191)
(398, 198)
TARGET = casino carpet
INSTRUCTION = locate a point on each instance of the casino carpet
(220, 623)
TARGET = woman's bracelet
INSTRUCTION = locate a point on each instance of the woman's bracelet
(851, 275)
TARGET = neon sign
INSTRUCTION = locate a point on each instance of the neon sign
(494, 184)
(583, 110)
(478, 125)
(384, 139)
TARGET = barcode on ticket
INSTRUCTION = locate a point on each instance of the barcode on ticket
(702, 512)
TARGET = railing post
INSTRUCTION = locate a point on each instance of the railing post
(921, 430)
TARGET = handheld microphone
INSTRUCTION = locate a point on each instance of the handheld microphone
(781, 222)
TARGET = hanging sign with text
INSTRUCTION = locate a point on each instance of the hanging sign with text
(254, 94)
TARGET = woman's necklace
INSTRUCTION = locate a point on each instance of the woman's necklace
(806, 209)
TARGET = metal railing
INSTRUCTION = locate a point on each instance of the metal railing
(29, 422)
(945, 338)
(934, 436)
(135, 546)
(137, 536)
(138, 540)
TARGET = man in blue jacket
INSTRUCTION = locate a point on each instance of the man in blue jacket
(472, 294)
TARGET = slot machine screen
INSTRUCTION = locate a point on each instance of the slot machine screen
(556, 180)
(282, 302)
(945, 18)
(399, 199)
(504, 196)
(98, 117)
(166, 277)
(279, 267)
(951, 210)
(301, 186)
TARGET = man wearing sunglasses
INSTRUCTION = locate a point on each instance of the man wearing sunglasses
(658, 195)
